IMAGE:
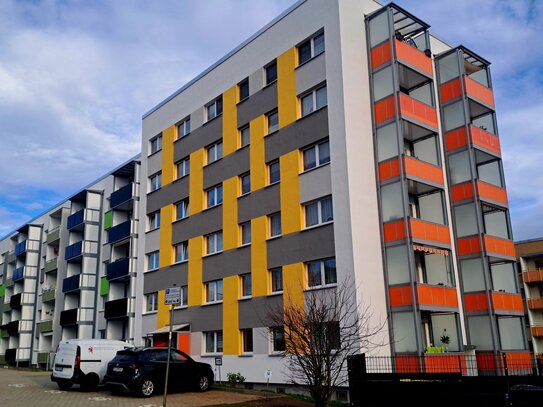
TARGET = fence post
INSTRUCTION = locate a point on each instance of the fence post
(505, 367)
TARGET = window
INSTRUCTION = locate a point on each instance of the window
(316, 155)
(273, 122)
(153, 220)
(214, 291)
(244, 136)
(245, 181)
(247, 340)
(155, 144)
(271, 72)
(278, 339)
(155, 181)
(275, 224)
(310, 48)
(321, 273)
(313, 101)
(181, 251)
(318, 212)
(185, 296)
(214, 152)
(177, 356)
(276, 277)
(245, 230)
(213, 342)
(183, 167)
(182, 209)
(274, 173)
(214, 243)
(151, 302)
(152, 261)
(246, 285)
(183, 128)
(332, 334)
(214, 196)
(214, 108)
(243, 89)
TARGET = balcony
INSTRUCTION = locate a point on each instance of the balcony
(419, 230)
(4, 331)
(20, 249)
(51, 265)
(73, 252)
(485, 191)
(533, 276)
(11, 355)
(427, 296)
(478, 137)
(16, 300)
(68, 317)
(76, 220)
(493, 246)
(409, 108)
(116, 309)
(500, 302)
(13, 327)
(121, 199)
(535, 303)
(44, 357)
(413, 168)
(6, 307)
(474, 90)
(18, 274)
(48, 296)
(45, 326)
(119, 232)
(70, 284)
(118, 270)
(9, 282)
(53, 236)
(406, 54)
(537, 331)
(11, 257)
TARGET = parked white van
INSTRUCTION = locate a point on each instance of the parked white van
(84, 361)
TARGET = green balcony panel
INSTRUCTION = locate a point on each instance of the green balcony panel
(2, 359)
(2, 291)
(45, 326)
(43, 357)
(6, 307)
(104, 286)
(4, 333)
(47, 296)
(53, 236)
(51, 265)
(108, 220)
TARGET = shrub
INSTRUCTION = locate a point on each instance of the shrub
(235, 378)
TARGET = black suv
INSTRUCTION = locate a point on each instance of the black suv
(144, 371)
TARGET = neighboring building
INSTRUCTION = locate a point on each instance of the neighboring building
(530, 260)
(322, 149)
(70, 272)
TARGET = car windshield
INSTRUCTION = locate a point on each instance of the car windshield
(125, 356)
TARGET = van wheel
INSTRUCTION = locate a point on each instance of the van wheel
(64, 384)
(147, 387)
(90, 383)
(203, 383)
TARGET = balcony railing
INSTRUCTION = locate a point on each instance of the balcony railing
(76, 219)
(18, 274)
(68, 317)
(420, 230)
(116, 309)
(71, 283)
(4, 331)
(120, 196)
(495, 246)
(119, 269)
(428, 296)
(533, 276)
(13, 327)
(20, 248)
(48, 296)
(51, 265)
(487, 192)
(414, 168)
(537, 331)
(45, 326)
(11, 257)
(11, 355)
(503, 303)
(6, 307)
(119, 232)
(53, 235)
(535, 303)
(73, 251)
(16, 300)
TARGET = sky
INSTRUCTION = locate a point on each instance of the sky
(76, 76)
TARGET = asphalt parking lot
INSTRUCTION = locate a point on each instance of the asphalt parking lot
(29, 388)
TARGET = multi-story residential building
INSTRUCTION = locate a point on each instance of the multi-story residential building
(70, 272)
(530, 262)
(342, 141)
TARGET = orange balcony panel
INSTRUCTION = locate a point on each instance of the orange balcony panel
(380, 54)
(475, 302)
(468, 245)
(394, 231)
(389, 169)
(418, 111)
(519, 361)
(485, 140)
(429, 231)
(400, 296)
(479, 92)
(437, 296)
(499, 246)
(407, 364)
(445, 364)
(537, 331)
(450, 90)
(384, 110)
(491, 192)
(535, 303)
(455, 139)
(462, 192)
(421, 169)
(507, 302)
(413, 57)
(533, 276)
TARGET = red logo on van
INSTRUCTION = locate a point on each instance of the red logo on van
(91, 349)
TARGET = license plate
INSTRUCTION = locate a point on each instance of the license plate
(58, 368)
(117, 369)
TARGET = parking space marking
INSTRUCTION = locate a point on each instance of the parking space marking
(99, 398)
(54, 391)
(18, 385)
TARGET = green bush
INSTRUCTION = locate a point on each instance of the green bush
(235, 378)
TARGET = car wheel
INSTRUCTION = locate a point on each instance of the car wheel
(203, 383)
(90, 383)
(64, 384)
(147, 387)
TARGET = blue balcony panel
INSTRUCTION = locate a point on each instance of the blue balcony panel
(121, 199)
(118, 270)
(119, 232)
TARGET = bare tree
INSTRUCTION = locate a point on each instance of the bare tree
(320, 335)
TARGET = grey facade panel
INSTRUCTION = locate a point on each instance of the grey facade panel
(253, 313)
(165, 277)
(259, 103)
(203, 223)
(229, 263)
(311, 73)
(171, 193)
(203, 318)
(230, 166)
(259, 203)
(203, 136)
(303, 132)
(310, 244)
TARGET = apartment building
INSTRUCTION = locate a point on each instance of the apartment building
(70, 272)
(530, 263)
(341, 141)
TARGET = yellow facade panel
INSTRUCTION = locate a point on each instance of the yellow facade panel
(230, 228)
(230, 317)
(286, 87)
(163, 311)
(195, 271)
(291, 213)
(257, 152)
(259, 260)
(166, 249)
(293, 285)
(196, 181)
(230, 120)
(168, 173)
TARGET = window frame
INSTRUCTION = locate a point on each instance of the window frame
(242, 184)
(271, 272)
(319, 203)
(276, 127)
(273, 331)
(158, 140)
(216, 350)
(155, 256)
(241, 84)
(244, 341)
(216, 284)
(186, 209)
(156, 175)
(217, 146)
(270, 164)
(311, 42)
(241, 130)
(183, 128)
(154, 302)
(242, 233)
(322, 274)
(317, 147)
(313, 95)
(243, 280)
(215, 190)
(214, 236)
(184, 246)
(152, 223)
(185, 163)
(267, 80)
(217, 104)
(270, 227)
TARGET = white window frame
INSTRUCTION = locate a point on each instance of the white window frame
(266, 81)
(312, 47)
(185, 205)
(184, 165)
(241, 131)
(272, 271)
(215, 191)
(216, 105)
(154, 303)
(214, 152)
(320, 220)
(245, 81)
(268, 121)
(183, 128)
(313, 98)
(158, 141)
(317, 149)
(212, 243)
(322, 274)
(216, 350)
(153, 220)
(153, 257)
(243, 278)
(184, 296)
(270, 172)
(214, 285)
(272, 341)
(155, 182)
(270, 223)
(184, 248)
(241, 178)
(244, 341)
(242, 232)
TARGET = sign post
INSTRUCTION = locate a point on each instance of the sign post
(218, 364)
(173, 297)
(268, 376)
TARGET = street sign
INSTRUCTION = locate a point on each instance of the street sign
(268, 374)
(173, 296)
(218, 361)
